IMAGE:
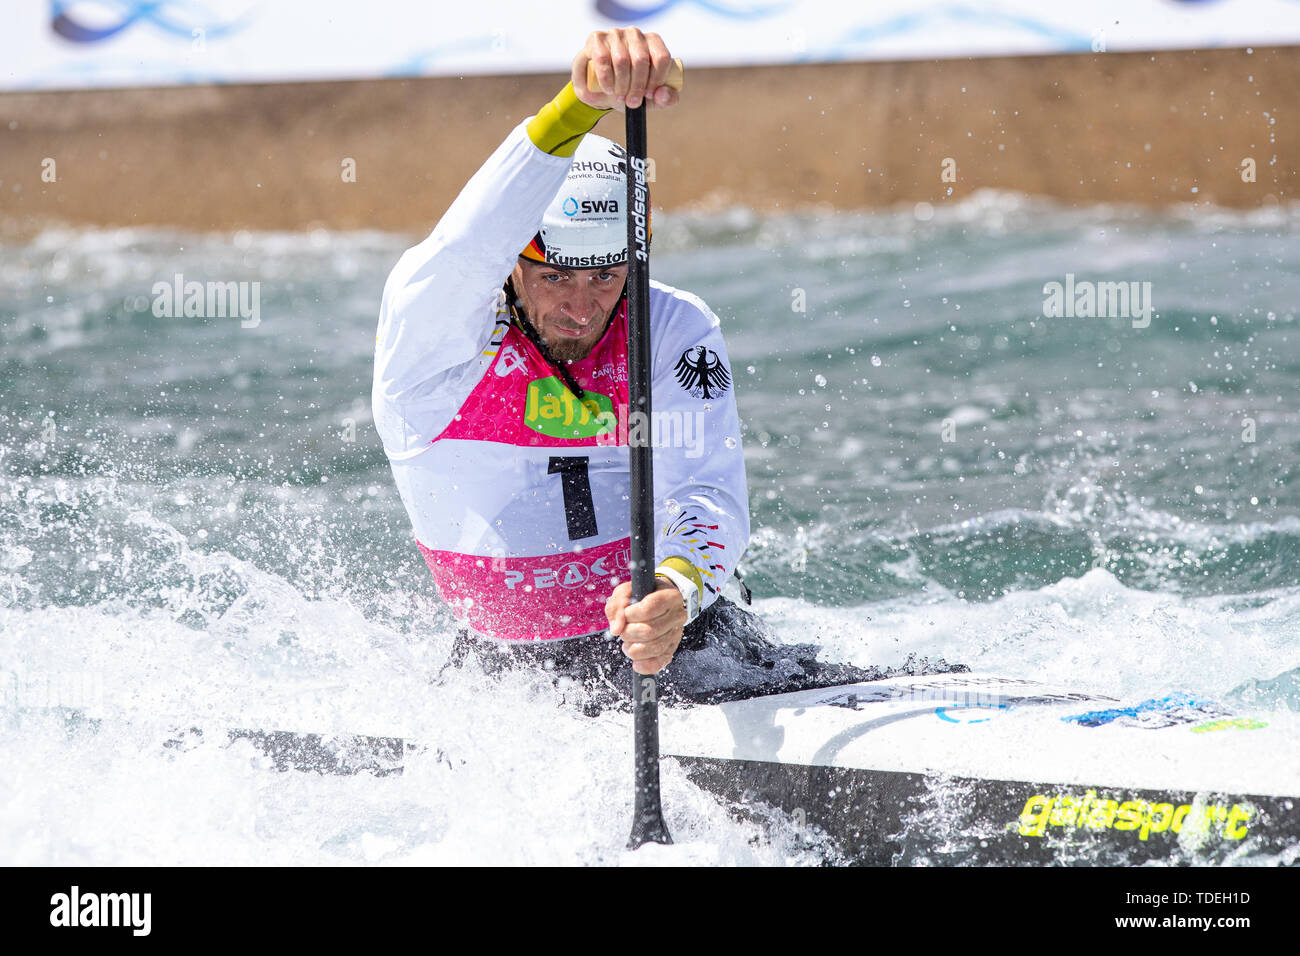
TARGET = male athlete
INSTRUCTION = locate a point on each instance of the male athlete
(501, 397)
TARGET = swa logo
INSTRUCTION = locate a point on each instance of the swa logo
(572, 207)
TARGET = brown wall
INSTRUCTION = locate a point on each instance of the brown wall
(1133, 126)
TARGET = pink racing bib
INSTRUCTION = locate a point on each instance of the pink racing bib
(520, 504)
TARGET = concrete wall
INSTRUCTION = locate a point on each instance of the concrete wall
(1142, 127)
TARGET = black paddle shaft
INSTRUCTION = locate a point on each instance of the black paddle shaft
(648, 821)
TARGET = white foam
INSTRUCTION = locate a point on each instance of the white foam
(1091, 634)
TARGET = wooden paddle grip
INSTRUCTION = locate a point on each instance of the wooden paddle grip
(676, 76)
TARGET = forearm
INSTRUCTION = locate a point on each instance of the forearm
(560, 125)
(705, 539)
(499, 210)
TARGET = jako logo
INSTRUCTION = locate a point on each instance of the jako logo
(511, 360)
(102, 909)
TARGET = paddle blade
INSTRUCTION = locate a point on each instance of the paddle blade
(648, 829)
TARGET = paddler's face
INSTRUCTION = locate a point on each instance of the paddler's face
(568, 307)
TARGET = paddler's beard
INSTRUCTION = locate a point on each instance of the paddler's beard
(572, 350)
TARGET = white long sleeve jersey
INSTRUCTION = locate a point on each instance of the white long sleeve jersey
(518, 492)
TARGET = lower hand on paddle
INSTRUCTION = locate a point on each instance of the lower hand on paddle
(651, 628)
(630, 64)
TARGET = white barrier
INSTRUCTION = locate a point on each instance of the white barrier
(63, 44)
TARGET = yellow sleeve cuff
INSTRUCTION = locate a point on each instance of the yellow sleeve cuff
(559, 126)
(686, 570)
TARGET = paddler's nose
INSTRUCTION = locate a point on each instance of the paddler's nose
(583, 307)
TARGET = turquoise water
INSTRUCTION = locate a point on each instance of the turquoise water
(199, 514)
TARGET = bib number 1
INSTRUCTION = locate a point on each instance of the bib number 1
(579, 507)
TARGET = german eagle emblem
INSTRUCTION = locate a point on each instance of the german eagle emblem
(700, 372)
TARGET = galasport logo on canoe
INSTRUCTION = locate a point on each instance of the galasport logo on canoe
(573, 574)
(1141, 817)
(554, 411)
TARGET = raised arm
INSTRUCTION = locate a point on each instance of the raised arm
(437, 316)
(436, 312)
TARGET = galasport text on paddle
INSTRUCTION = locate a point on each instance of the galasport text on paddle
(647, 816)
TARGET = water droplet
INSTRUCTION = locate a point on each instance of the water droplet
(730, 442)
(821, 381)
(875, 360)
(673, 506)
